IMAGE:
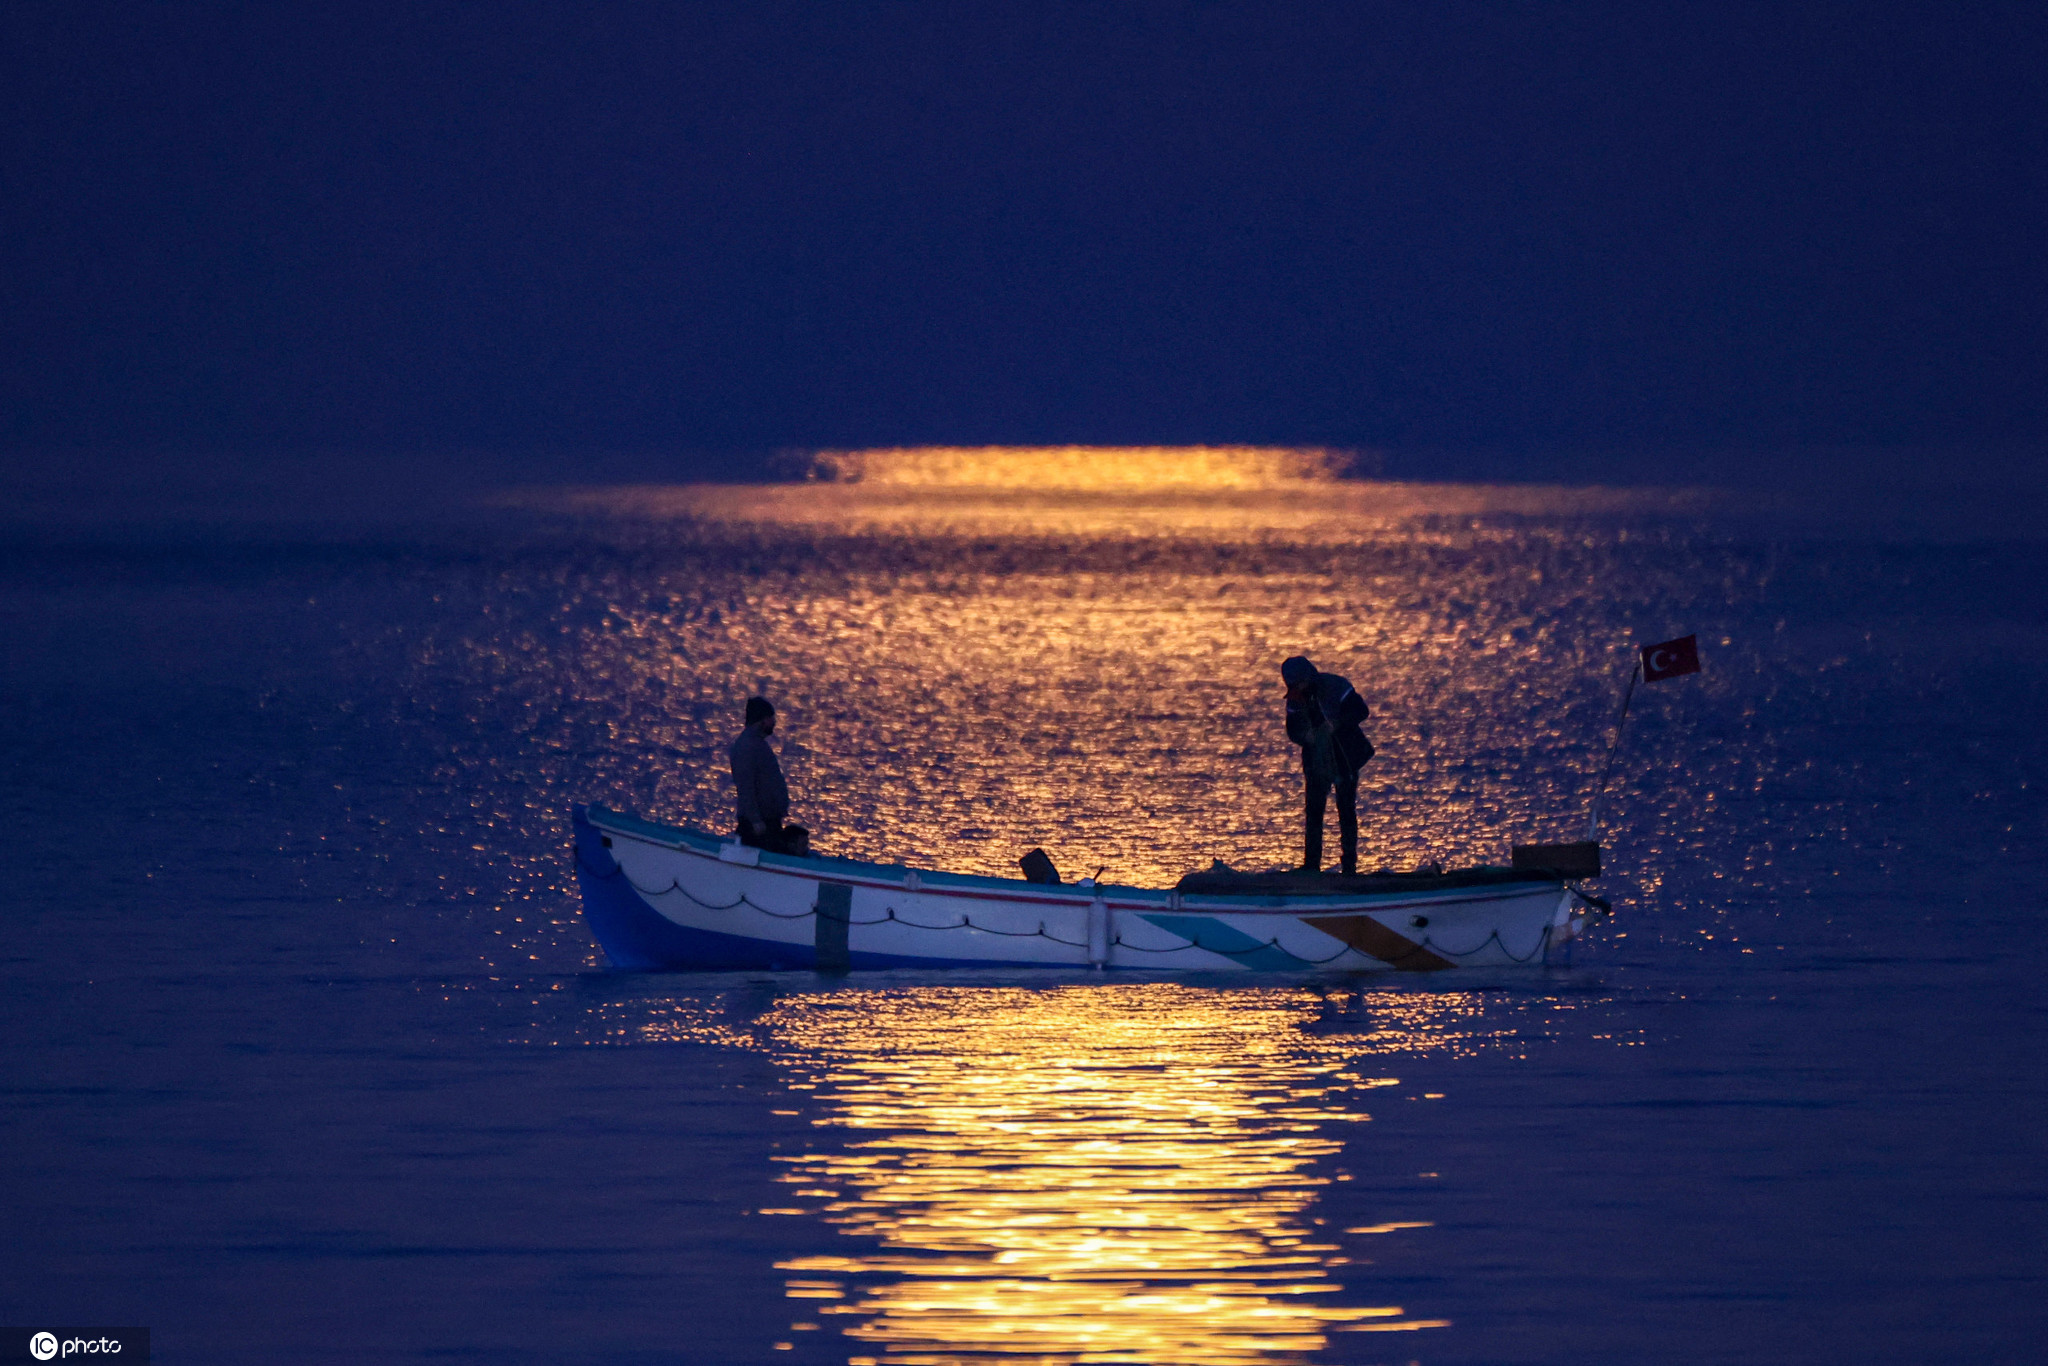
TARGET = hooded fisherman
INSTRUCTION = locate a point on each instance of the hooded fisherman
(1323, 712)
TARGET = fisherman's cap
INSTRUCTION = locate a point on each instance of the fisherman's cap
(1297, 671)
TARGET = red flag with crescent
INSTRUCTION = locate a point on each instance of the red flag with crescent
(1671, 659)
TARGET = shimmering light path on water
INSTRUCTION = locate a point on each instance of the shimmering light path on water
(1088, 1172)
(969, 663)
(1083, 1172)
(310, 1059)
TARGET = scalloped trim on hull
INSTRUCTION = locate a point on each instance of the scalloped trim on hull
(665, 897)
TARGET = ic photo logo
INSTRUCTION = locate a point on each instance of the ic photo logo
(44, 1346)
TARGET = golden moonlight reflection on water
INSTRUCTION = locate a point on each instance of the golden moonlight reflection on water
(978, 652)
(1084, 1174)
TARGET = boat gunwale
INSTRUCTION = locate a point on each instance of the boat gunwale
(980, 887)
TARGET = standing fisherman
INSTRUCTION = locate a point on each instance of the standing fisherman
(763, 795)
(1323, 712)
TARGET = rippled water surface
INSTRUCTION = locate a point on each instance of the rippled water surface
(308, 1057)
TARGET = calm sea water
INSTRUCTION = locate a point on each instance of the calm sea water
(308, 1057)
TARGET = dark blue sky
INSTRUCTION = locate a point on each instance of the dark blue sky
(512, 227)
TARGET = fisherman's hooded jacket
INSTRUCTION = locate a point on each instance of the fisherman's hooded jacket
(1337, 754)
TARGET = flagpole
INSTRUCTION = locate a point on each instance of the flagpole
(1620, 723)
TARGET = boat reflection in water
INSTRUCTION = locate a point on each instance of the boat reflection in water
(1088, 1174)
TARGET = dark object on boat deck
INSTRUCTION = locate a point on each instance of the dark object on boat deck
(1038, 868)
(1298, 883)
(1566, 860)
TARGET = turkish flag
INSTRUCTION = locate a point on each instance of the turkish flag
(1671, 659)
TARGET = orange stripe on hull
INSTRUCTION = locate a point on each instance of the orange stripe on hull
(1368, 936)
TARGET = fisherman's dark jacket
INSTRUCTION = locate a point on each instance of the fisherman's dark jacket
(763, 795)
(1330, 699)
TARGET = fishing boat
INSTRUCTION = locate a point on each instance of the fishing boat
(667, 897)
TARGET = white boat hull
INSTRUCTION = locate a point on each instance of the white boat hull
(663, 897)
